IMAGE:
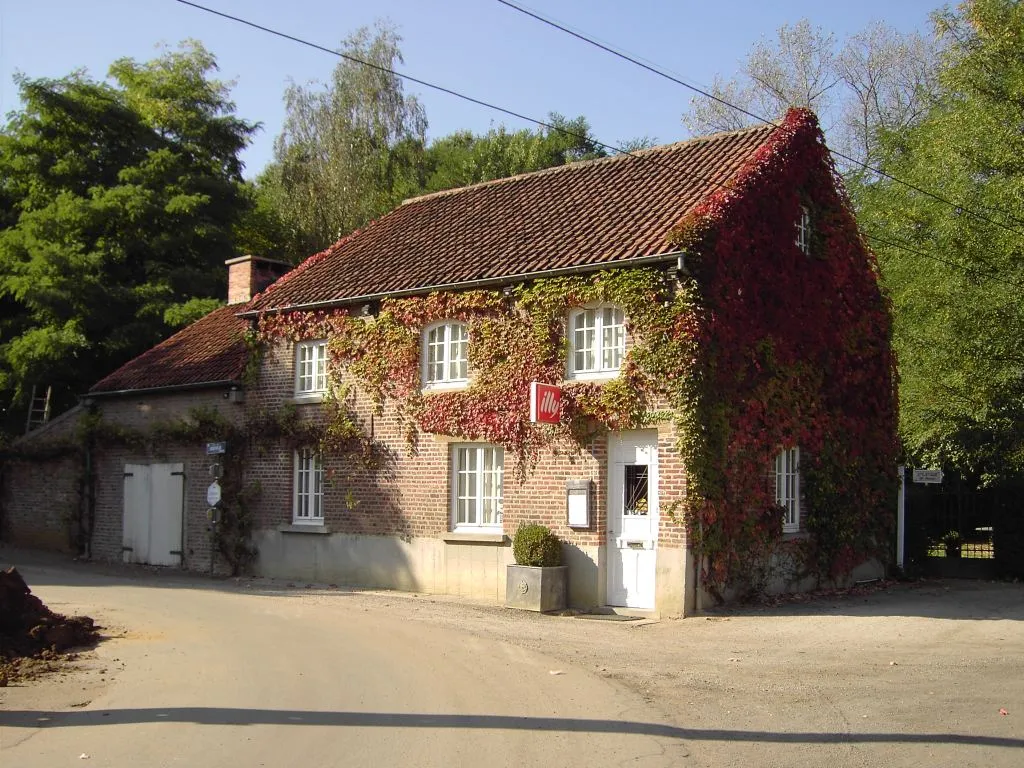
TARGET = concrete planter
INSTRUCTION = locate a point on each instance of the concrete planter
(536, 589)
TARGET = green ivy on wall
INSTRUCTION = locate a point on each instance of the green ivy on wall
(764, 348)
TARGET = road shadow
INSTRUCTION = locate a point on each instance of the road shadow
(233, 716)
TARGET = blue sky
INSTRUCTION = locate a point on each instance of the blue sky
(478, 47)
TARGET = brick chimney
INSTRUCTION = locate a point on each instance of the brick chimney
(248, 275)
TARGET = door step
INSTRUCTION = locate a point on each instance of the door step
(617, 613)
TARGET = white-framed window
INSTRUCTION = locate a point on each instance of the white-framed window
(803, 230)
(311, 367)
(446, 354)
(477, 480)
(597, 342)
(787, 488)
(308, 507)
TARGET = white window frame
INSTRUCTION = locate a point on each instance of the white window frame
(606, 358)
(311, 368)
(481, 495)
(445, 345)
(787, 488)
(307, 487)
(803, 230)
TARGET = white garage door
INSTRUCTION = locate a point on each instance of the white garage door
(153, 502)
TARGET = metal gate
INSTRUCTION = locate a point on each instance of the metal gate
(955, 529)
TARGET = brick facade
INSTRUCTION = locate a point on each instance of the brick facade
(141, 413)
(404, 499)
(44, 500)
(40, 499)
(408, 495)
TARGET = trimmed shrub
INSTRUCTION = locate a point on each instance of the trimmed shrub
(537, 546)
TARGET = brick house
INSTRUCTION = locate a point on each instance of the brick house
(722, 275)
(119, 500)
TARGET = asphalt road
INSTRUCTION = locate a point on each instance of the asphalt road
(199, 675)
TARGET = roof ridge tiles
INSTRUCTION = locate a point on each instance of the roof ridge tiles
(578, 164)
(560, 218)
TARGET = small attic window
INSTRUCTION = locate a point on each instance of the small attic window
(803, 230)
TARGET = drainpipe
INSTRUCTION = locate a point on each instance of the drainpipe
(85, 532)
(3, 474)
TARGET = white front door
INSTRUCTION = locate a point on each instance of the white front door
(632, 518)
(153, 497)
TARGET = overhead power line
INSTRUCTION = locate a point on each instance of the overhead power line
(965, 268)
(410, 78)
(959, 207)
(465, 97)
(480, 102)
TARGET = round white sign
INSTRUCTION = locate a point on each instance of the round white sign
(213, 494)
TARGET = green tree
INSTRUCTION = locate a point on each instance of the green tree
(956, 287)
(349, 150)
(120, 203)
(461, 158)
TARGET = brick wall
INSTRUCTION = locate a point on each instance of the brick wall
(408, 495)
(40, 498)
(141, 413)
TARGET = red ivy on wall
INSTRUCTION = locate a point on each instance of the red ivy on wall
(796, 353)
(766, 348)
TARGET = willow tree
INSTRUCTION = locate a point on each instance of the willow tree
(349, 149)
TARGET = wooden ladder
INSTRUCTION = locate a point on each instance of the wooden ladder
(38, 408)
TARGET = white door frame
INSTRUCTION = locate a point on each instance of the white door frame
(632, 540)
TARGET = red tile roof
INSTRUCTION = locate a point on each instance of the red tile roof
(587, 213)
(210, 350)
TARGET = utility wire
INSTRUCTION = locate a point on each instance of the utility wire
(550, 126)
(426, 84)
(959, 207)
(965, 268)
(643, 157)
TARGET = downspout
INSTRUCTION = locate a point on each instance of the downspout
(89, 480)
(3, 474)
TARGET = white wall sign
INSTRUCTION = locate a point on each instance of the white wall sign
(927, 475)
(579, 513)
(213, 494)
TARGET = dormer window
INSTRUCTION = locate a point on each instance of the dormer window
(311, 367)
(446, 354)
(803, 230)
(597, 342)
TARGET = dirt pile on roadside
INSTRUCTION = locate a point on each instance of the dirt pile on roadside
(28, 629)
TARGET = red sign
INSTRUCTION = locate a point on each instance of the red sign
(545, 403)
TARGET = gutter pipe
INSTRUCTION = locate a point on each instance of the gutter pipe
(637, 261)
